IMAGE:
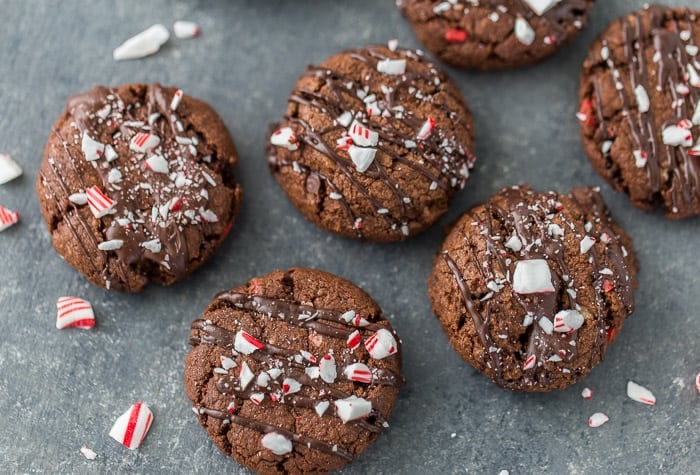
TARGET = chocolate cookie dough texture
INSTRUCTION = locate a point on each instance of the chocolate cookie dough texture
(374, 144)
(137, 185)
(531, 288)
(293, 372)
(495, 34)
(640, 108)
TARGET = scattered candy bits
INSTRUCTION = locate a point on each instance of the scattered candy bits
(7, 218)
(131, 427)
(9, 169)
(276, 443)
(74, 313)
(88, 453)
(587, 393)
(186, 29)
(144, 44)
(640, 393)
(598, 419)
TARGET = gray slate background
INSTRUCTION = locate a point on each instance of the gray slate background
(60, 390)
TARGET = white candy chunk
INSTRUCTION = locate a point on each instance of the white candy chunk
(358, 372)
(555, 230)
(322, 407)
(73, 312)
(146, 43)
(177, 97)
(227, 363)
(245, 375)
(587, 393)
(696, 115)
(290, 386)
(532, 276)
(245, 343)
(78, 198)
(677, 136)
(327, 369)
(546, 325)
(392, 44)
(143, 141)
(153, 245)
(131, 427)
(362, 136)
(114, 176)
(568, 320)
(110, 153)
(541, 6)
(286, 138)
(276, 443)
(640, 158)
(514, 243)
(693, 76)
(381, 344)
(157, 164)
(88, 453)
(586, 244)
(345, 119)
(642, 98)
(640, 393)
(186, 29)
(597, 419)
(111, 245)
(352, 408)
(524, 32)
(362, 157)
(92, 149)
(9, 169)
(263, 380)
(392, 66)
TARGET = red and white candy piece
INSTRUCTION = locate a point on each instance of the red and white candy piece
(285, 137)
(567, 320)
(257, 398)
(92, 149)
(157, 164)
(327, 369)
(245, 375)
(640, 394)
(640, 158)
(532, 276)
(381, 344)
(523, 31)
(146, 43)
(358, 372)
(290, 386)
(7, 218)
(541, 6)
(675, 135)
(586, 244)
(354, 339)
(352, 408)
(186, 29)
(530, 362)
(100, 204)
(177, 97)
(132, 426)
(227, 363)
(598, 419)
(393, 67)
(144, 141)
(88, 453)
(642, 98)
(426, 129)
(276, 443)
(587, 393)
(362, 136)
(74, 313)
(9, 169)
(361, 157)
(246, 343)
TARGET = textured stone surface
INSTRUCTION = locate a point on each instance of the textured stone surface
(60, 390)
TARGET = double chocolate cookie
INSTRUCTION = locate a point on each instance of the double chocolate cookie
(640, 108)
(531, 288)
(495, 34)
(374, 145)
(137, 185)
(293, 372)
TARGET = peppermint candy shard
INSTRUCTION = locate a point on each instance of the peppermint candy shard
(246, 343)
(524, 32)
(677, 136)
(131, 427)
(530, 362)
(245, 375)
(642, 98)
(157, 163)
(362, 136)
(362, 157)
(426, 129)
(73, 312)
(392, 67)
(541, 6)
(532, 276)
(9, 169)
(78, 199)
(92, 149)
(144, 44)
(154, 245)
(290, 386)
(327, 368)
(586, 244)
(587, 393)
(143, 142)
(598, 419)
(640, 394)
(276, 443)
(111, 245)
(358, 372)
(177, 97)
(352, 408)
(7, 218)
(568, 320)
(354, 339)
(381, 344)
(88, 453)
(285, 137)
(186, 29)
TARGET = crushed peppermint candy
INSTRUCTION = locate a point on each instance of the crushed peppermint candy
(598, 419)
(177, 97)
(358, 372)
(640, 394)
(532, 276)
(246, 343)
(144, 44)
(110, 245)
(642, 98)
(88, 453)
(8, 218)
(362, 157)
(677, 136)
(587, 393)
(276, 443)
(352, 408)
(74, 312)
(586, 244)
(540, 7)
(381, 344)
(131, 427)
(186, 29)
(327, 368)
(92, 149)
(9, 169)
(245, 375)
(286, 138)
(392, 66)
(100, 204)
(362, 136)
(568, 320)
(523, 31)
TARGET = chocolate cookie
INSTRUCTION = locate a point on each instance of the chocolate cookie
(293, 372)
(374, 144)
(137, 185)
(640, 108)
(495, 34)
(531, 288)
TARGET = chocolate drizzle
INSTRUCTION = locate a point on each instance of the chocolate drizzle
(672, 173)
(440, 160)
(528, 218)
